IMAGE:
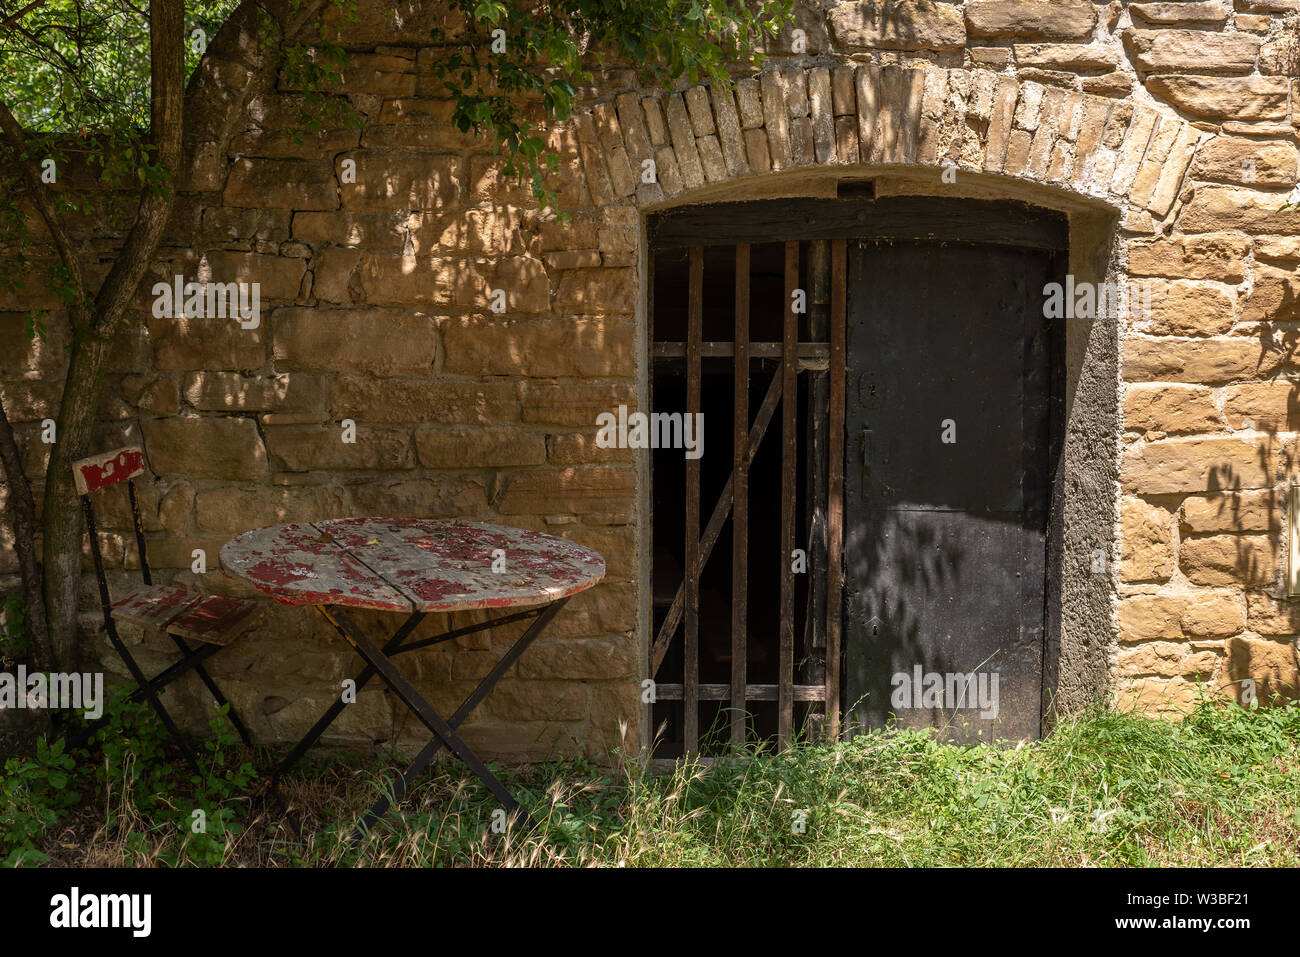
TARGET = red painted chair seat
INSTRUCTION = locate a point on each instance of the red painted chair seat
(215, 619)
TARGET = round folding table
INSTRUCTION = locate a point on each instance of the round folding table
(414, 567)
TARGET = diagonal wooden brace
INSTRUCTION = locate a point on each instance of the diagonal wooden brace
(719, 518)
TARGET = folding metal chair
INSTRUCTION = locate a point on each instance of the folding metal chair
(212, 621)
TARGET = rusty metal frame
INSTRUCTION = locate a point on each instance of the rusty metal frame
(795, 357)
(192, 658)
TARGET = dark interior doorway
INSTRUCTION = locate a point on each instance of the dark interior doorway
(747, 649)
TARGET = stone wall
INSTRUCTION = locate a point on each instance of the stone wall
(1167, 130)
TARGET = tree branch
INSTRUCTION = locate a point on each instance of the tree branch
(40, 195)
(15, 17)
(50, 53)
(167, 94)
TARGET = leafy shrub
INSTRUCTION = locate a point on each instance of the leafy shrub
(35, 794)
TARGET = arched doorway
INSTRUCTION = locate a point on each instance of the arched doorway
(855, 541)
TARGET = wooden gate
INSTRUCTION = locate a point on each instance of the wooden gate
(811, 345)
(748, 306)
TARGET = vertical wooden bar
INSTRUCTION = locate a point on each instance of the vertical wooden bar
(789, 491)
(740, 506)
(648, 600)
(817, 275)
(691, 678)
(835, 486)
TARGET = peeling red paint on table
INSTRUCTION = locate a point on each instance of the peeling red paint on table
(398, 564)
(300, 564)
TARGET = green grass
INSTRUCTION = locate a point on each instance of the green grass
(1221, 788)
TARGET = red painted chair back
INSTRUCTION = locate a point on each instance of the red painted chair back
(105, 470)
(99, 472)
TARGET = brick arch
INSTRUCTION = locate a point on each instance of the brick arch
(1129, 156)
(1121, 165)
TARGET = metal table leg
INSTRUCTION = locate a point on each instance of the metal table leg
(430, 750)
(394, 646)
(335, 709)
(378, 662)
(421, 708)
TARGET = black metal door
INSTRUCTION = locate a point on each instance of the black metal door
(947, 486)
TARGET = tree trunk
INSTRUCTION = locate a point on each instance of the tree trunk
(61, 520)
(23, 510)
(91, 346)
